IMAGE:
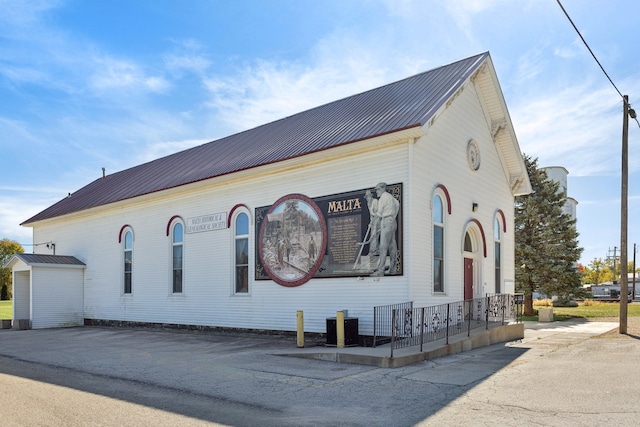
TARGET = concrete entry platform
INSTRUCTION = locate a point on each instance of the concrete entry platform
(380, 356)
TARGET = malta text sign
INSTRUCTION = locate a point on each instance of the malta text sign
(199, 224)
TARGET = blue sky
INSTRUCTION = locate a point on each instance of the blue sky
(114, 83)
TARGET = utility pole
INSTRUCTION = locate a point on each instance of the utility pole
(624, 286)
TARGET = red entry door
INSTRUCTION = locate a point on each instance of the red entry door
(468, 278)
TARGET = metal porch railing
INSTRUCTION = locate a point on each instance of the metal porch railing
(383, 321)
(416, 326)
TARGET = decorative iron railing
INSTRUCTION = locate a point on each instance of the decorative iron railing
(416, 326)
(383, 320)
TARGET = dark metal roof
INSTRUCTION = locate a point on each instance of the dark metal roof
(40, 259)
(401, 105)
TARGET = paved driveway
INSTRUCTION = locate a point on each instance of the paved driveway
(557, 375)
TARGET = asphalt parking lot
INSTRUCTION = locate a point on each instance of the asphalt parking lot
(561, 373)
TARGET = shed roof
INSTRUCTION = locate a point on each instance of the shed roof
(396, 106)
(46, 260)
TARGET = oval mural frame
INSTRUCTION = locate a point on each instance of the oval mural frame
(321, 248)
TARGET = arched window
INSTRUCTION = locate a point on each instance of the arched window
(177, 240)
(438, 244)
(128, 261)
(241, 259)
(468, 245)
(497, 254)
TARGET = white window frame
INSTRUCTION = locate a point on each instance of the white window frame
(497, 259)
(174, 244)
(442, 225)
(235, 238)
(128, 231)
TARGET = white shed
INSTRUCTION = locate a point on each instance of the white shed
(47, 290)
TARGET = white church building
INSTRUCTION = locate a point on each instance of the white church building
(401, 193)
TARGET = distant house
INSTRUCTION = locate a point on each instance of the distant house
(246, 230)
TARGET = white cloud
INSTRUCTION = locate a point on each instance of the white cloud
(191, 62)
(269, 91)
(575, 49)
(187, 56)
(66, 61)
(463, 12)
(530, 66)
(472, 7)
(177, 63)
(579, 124)
(16, 133)
(18, 75)
(339, 65)
(17, 12)
(111, 74)
(15, 209)
(27, 189)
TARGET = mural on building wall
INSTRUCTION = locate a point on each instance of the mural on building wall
(355, 233)
(291, 240)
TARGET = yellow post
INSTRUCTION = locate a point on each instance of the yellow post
(340, 329)
(300, 336)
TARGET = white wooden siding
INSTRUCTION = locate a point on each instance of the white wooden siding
(57, 298)
(440, 157)
(207, 297)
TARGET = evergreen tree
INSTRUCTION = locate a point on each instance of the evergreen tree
(546, 247)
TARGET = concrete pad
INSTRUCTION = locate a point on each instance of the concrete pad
(381, 356)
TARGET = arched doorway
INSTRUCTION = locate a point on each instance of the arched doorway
(471, 251)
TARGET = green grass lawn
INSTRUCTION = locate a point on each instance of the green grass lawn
(590, 311)
(6, 309)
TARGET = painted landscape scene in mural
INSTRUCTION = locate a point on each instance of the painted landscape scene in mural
(291, 239)
(339, 235)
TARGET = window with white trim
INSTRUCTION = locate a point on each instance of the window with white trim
(128, 262)
(438, 244)
(497, 254)
(241, 258)
(468, 245)
(177, 250)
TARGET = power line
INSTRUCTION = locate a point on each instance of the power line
(594, 57)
